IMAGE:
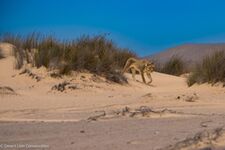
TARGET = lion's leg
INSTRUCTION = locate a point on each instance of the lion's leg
(143, 77)
(133, 73)
(150, 78)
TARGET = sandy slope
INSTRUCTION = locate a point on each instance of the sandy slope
(36, 114)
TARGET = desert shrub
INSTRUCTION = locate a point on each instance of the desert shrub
(49, 53)
(175, 66)
(23, 45)
(13, 39)
(96, 54)
(20, 56)
(157, 66)
(210, 70)
(116, 77)
(65, 69)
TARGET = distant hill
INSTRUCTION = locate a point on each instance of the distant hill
(190, 53)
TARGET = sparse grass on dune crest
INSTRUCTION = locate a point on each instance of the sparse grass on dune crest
(96, 54)
(175, 66)
(210, 70)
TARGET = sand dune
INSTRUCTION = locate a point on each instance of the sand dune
(84, 111)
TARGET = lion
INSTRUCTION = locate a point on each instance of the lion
(141, 66)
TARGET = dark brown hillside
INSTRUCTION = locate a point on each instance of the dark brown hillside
(190, 53)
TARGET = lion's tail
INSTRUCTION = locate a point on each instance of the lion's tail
(128, 63)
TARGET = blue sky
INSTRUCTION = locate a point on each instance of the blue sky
(145, 26)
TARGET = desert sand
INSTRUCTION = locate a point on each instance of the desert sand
(84, 111)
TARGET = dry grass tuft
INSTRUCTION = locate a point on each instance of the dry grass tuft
(210, 70)
(96, 54)
(175, 66)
